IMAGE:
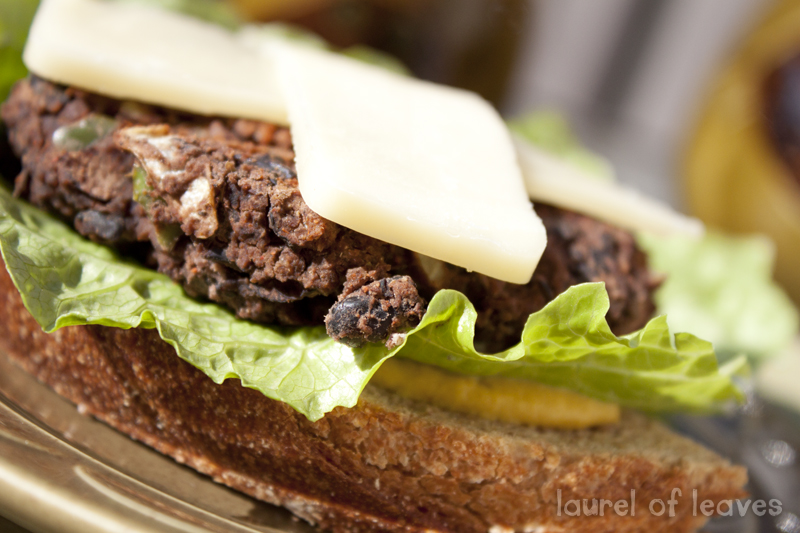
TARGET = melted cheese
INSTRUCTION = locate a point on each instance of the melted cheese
(136, 52)
(419, 165)
(495, 398)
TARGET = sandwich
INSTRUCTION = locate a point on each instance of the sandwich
(325, 285)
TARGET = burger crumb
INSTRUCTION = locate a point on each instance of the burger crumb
(376, 312)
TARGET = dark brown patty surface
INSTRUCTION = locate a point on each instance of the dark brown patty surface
(259, 249)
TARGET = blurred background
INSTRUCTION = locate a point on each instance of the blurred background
(631, 75)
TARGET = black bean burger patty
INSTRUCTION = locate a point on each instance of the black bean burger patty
(214, 204)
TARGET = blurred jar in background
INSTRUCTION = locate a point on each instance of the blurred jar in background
(743, 167)
(466, 43)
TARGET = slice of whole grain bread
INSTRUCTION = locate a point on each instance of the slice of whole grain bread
(386, 465)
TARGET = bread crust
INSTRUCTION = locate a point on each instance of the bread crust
(385, 465)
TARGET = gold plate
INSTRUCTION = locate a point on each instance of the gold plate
(733, 175)
(64, 472)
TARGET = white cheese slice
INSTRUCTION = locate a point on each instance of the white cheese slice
(422, 166)
(132, 51)
(554, 181)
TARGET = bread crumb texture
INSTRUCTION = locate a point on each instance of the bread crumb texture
(388, 464)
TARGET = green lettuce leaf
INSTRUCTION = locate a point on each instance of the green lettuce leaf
(377, 58)
(65, 280)
(568, 344)
(721, 288)
(15, 19)
(550, 131)
(289, 32)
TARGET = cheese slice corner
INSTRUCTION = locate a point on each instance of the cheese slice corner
(142, 53)
(422, 166)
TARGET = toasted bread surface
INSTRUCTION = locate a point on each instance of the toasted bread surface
(386, 465)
